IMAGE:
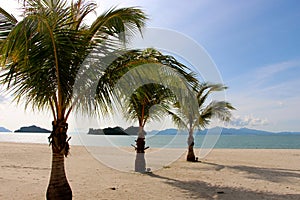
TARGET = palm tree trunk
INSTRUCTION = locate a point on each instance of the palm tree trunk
(140, 142)
(59, 188)
(191, 155)
(140, 162)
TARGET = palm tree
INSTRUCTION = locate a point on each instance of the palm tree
(148, 102)
(41, 56)
(154, 79)
(140, 105)
(218, 109)
(161, 79)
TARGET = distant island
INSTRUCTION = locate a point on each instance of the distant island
(32, 129)
(115, 131)
(2, 129)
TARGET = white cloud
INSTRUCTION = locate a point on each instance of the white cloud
(248, 120)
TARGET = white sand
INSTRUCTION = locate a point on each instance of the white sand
(223, 174)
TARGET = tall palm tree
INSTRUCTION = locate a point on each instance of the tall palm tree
(217, 109)
(41, 56)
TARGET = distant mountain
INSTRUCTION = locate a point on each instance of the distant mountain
(133, 130)
(2, 129)
(233, 131)
(32, 129)
(225, 131)
(247, 131)
(288, 133)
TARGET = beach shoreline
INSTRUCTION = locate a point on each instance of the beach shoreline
(223, 174)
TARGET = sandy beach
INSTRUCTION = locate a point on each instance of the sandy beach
(223, 174)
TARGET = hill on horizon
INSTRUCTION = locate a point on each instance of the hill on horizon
(32, 129)
(224, 131)
(3, 129)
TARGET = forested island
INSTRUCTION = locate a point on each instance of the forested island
(32, 129)
(115, 131)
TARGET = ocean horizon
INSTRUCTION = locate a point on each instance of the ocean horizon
(166, 141)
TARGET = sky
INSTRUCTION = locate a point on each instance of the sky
(255, 46)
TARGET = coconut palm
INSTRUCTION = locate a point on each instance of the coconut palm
(161, 80)
(154, 79)
(214, 109)
(148, 102)
(41, 56)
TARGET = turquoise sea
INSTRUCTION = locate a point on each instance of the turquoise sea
(169, 141)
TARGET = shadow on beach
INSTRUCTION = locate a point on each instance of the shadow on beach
(276, 175)
(195, 189)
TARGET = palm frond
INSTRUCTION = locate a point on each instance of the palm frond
(148, 102)
(178, 119)
(42, 55)
(205, 89)
(7, 23)
(119, 23)
(218, 109)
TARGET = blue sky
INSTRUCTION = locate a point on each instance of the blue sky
(254, 44)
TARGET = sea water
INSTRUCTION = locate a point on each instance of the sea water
(166, 141)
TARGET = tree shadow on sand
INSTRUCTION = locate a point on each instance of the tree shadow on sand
(275, 175)
(201, 190)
